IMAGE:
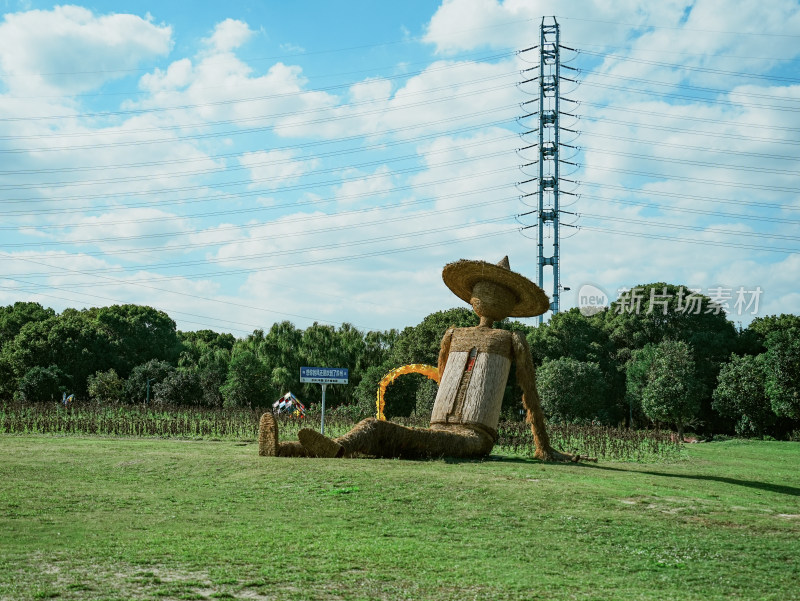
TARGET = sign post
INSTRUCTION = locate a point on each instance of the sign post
(324, 376)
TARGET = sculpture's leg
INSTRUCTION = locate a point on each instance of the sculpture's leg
(526, 378)
(387, 439)
(319, 445)
(268, 445)
(292, 448)
(268, 435)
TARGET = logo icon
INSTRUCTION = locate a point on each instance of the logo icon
(591, 300)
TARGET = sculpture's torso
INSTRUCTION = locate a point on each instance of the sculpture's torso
(474, 379)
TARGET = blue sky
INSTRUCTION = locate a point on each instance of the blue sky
(243, 163)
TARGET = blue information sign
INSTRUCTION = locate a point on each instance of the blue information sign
(325, 375)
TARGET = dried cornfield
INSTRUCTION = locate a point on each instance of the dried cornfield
(617, 444)
(242, 425)
(130, 420)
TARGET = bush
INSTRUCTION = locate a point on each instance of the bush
(136, 385)
(247, 384)
(740, 394)
(672, 393)
(426, 397)
(106, 386)
(179, 387)
(782, 371)
(572, 390)
(41, 384)
(212, 369)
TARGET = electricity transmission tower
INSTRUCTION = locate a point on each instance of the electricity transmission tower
(548, 128)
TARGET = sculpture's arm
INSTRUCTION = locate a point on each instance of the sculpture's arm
(444, 350)
(526, 378)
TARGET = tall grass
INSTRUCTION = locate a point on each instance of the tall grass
(242, 425)
(603, 442)
(130, 420)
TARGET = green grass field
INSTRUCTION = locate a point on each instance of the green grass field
(102, 518)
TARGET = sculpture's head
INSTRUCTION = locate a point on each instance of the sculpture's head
(494, 291)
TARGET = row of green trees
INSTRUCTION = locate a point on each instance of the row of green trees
(663, 363)
(655, 362)
(131, 353)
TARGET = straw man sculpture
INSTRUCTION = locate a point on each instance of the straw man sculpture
(474, 364)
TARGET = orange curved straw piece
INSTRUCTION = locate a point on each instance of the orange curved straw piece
(429, 371)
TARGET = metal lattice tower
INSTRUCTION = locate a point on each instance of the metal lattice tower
(548, 178)
(549, 79)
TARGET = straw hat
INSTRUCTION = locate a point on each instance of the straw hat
(462, 276)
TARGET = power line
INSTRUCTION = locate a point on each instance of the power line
(674, 209)
(649, 26)
(242, 131)
(684, 86)
(683, 147)
(613, 107)
(684, 196)
(404, 40)
(283, 189)
(694, 98)
(758, 186)
(261, 116)
(274, 207)
(473, 56)
(692, 161)
(171, 312)
(673, 129)
(694, 54)
(694, 228)
(648, 223)
(314, 262)
(238, 229)
(738, 245)
(292, 147)
(242, 167)
(276, 253)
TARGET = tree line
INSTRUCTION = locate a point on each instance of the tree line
(658, 364)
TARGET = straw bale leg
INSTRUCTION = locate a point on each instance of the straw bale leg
(387, 439)
(268, 445)
(526, 378)
(291, 448)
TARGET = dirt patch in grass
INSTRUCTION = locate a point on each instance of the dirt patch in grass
(132, 583)
(51, 580)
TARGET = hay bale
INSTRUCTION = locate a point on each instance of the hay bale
(268, 435)
(388, 439)
(319, 445)
(292, 448)
(268, 445)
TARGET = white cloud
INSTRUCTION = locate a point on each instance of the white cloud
(373, 89)
(71, 50)
(178, 75)
(441, 186)
(467, 24)
(460, 25)
(133, 234)
(444, 96)
(366, 189)
(273, 168)
(229, 35)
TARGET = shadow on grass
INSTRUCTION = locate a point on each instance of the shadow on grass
(767, 486)
(491, 458)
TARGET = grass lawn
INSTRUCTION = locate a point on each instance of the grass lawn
(99, 518)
